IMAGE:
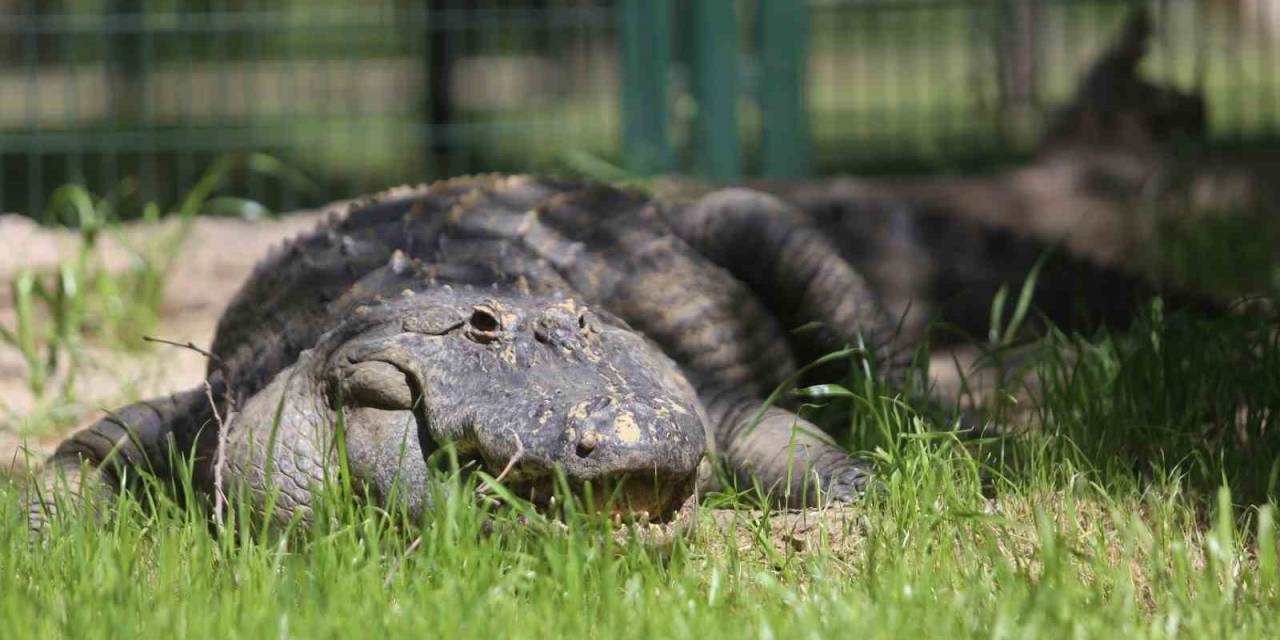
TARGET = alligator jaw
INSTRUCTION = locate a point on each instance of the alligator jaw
(630, 497)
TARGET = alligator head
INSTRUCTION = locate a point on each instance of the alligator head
(527, 385)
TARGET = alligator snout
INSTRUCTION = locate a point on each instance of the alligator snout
(605, 436)
(599, 423)
(630, 456)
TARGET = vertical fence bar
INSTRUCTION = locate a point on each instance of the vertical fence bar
(185, 55)
(125, 63)
(442, 49)
(784, 56)
(714, 71)
(30, 64)
(148, 163)
(646, 64)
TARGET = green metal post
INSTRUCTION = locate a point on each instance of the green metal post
(646, 65)
(714, 60)
(784, 57)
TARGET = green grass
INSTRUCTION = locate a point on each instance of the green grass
(56, 311)
(1107, 516)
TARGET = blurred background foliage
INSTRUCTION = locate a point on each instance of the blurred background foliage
(361, 94)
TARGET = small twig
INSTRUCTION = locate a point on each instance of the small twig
(515, 459)
(185, 345)
(413, 546)
(219, 497)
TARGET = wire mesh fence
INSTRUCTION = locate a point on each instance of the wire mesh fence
(358, 95)
(362, 94)
(940, 83)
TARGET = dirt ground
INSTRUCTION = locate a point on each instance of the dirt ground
(215, 259)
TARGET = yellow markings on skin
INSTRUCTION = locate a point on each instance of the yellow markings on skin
(543, 418)
(559, 200)
(361, 310)
(527, 222)
(408, 293)
(613, 387)
(357, 291)
(508, 319)
(617, 396)
(625, 427)
(568, 304)
(676, 407)
(456, 212)
(515, 180)
(666, 407)
(485, 187)
(468, 201)
(579, 411)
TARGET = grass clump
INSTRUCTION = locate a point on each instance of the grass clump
(80, 300)
(933, 555)
(1176, 391)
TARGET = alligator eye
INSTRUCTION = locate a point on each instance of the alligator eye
(483, 325)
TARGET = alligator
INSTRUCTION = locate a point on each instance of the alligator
(539, 329)
(532, 328)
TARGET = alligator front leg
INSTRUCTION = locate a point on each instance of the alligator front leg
(288, 446)
(789, 459)
(278, 451)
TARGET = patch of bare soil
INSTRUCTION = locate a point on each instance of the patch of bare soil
(772, 537)
(214, 259)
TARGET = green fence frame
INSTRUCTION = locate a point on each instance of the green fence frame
(361, 94)
(714, 63)
(646, 67)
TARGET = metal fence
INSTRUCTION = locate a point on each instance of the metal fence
(929, 84)
(361, 94)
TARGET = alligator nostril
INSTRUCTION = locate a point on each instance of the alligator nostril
(587, 443)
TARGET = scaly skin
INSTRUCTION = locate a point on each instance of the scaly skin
(926, 264)
(562, 325)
